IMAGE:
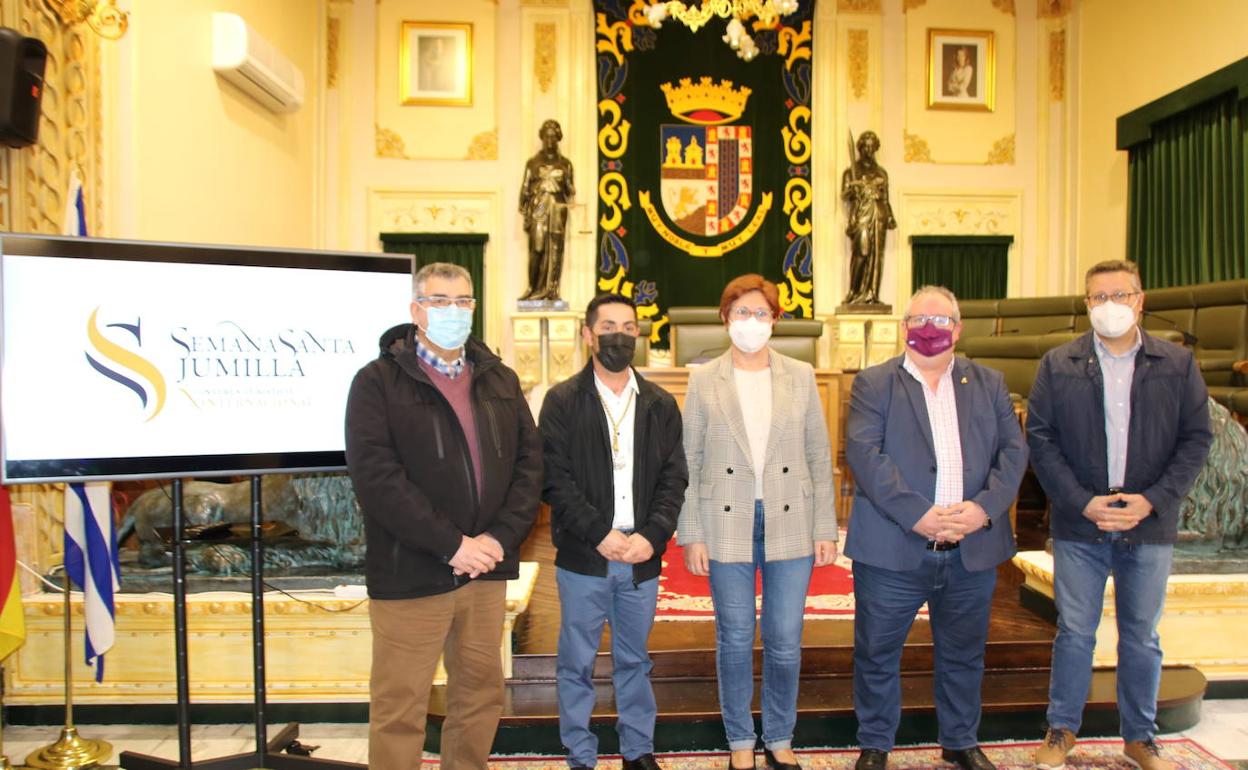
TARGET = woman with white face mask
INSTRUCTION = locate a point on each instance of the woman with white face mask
(759, 500)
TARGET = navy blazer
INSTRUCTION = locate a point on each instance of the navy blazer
(1168, 437)
(888, 444)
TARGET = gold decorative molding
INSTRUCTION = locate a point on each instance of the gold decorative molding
(958, 216)
(1054, 9)
(390, 144)
(910, 5)
(858, 62)
(1004, 6)
(544, 52)
(1057, 65)
(1002, 152)
(484, 146)
(916, 150)
(102, 16)
(858, 6)
(399, 211)
(333, 27)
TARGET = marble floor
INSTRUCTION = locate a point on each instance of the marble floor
(1223, 730)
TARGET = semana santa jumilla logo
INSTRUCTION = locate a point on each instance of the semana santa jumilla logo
(125, 367)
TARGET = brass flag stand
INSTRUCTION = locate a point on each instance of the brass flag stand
(70, 750)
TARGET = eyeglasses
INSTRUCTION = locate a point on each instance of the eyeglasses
(939, 321)
(1119, 297)
(442, 301)
(742, 313)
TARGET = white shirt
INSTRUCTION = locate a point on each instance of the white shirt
(1117, 373)
(942, 415)
(754, 395)
(621, 409)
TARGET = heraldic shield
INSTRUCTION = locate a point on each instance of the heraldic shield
(705, 176)
(706, 166)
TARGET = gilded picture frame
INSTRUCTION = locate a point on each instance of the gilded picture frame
(435, 63)
(961, 70)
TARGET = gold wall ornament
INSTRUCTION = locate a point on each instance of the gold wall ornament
(1002, 152)
(333, 28)
(484, 146)
(102, 16)
(916, 149)
(544, 52)
(858, 6)
(858, 56)
(390, 144)
(1004, 6)
(1053, 9)
(1057, 65)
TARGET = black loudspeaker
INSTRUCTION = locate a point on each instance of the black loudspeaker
(22, 61)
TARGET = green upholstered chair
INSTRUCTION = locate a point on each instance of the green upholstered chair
(979, 317)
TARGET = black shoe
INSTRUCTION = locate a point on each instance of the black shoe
(644, 762)
(872, 759)
(775, 764)
(968, 759)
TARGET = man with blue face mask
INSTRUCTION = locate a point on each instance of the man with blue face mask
(446, 462)
(1114, 498)
(937, 455)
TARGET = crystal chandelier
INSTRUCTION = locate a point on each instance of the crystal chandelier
(738, 12)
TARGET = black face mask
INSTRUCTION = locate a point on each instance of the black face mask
(615, 351)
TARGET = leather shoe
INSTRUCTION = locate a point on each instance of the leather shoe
(644, 762)
(968, 759)
(872, 759)
(775, 764)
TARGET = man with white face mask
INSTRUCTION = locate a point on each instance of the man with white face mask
(1114, 498)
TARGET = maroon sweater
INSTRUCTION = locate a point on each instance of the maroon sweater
(458, 391)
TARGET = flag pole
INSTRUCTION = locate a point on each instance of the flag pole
(70, 750)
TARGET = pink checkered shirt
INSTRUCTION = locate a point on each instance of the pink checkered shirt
(942, 415)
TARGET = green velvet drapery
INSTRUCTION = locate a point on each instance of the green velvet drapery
(464, 249)
(1187, 213)
(972, 267)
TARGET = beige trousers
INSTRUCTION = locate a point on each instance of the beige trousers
(465, 625)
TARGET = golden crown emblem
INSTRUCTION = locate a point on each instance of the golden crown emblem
(706, 102)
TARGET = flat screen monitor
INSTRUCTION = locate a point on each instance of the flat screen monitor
(126, 359)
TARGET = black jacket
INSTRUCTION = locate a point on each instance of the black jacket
(580, 480)
(1167, 439)
(412, 471)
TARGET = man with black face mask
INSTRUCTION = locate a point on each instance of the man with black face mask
(615, 482)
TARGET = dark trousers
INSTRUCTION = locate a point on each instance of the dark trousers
(959, 602)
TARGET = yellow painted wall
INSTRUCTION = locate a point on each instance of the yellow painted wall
(201, 161)
(1130, 53)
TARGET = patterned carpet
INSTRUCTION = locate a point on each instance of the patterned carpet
(1088, 755)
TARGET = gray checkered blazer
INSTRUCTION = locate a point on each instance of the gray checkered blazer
(798, 502)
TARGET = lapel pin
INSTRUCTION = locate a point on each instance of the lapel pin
(964, 380)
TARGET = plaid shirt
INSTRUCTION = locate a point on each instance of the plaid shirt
(942, 414)
(451, 370)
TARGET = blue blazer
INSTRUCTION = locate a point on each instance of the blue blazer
(888, 444)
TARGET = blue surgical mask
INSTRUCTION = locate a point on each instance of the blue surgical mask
(448, 327)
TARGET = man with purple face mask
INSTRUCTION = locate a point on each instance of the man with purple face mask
(937, 456)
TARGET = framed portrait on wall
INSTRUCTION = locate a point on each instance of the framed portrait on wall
(435, 63)
(961, 70)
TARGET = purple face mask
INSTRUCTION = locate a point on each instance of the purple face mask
(927, 340)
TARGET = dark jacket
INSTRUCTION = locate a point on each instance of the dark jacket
(1167, 439)
(412, 471)
(580, 481)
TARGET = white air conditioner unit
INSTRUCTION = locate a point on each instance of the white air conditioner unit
(253, 64)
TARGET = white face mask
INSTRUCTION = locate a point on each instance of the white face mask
(750, 335)
(1112, 320)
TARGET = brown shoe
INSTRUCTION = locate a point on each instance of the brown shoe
(1052, 754)
(1146, 756)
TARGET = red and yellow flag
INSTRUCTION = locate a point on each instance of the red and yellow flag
(12, 624)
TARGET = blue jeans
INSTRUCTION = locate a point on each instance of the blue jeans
(784, 604)
(959, 602)
(587, 602)
(1140, 573)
